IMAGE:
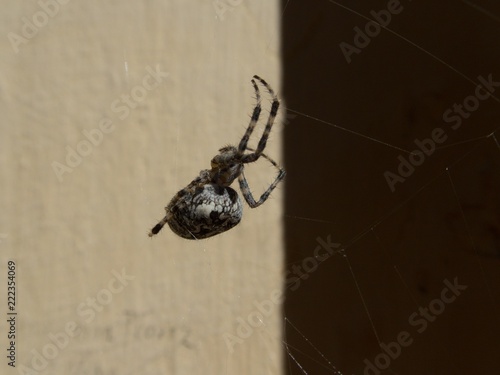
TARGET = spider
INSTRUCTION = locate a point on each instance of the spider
(208, 205)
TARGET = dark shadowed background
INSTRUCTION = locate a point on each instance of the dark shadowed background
(348, 123)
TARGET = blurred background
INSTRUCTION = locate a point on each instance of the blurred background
(378, 254)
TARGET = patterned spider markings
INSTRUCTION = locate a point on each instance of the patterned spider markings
(208, 205)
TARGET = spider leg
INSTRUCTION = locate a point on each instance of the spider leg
(159, 226)
(253, 121)
(245, 190)
(267, 158)
(249, 158)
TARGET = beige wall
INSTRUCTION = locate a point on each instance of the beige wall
(70, 233)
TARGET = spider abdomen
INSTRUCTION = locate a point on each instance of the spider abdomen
(205, 211)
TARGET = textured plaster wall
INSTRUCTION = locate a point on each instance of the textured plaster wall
(77, 226)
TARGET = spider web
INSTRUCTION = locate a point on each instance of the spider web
(398, 251)
(449, 179)
(306, 356)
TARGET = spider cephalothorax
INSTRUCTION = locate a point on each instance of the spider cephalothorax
(208, 205)
(226, 166)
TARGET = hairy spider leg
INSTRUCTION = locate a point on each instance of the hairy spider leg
(245, 189)
(253, 121)
(249, 158)
(159, 226)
